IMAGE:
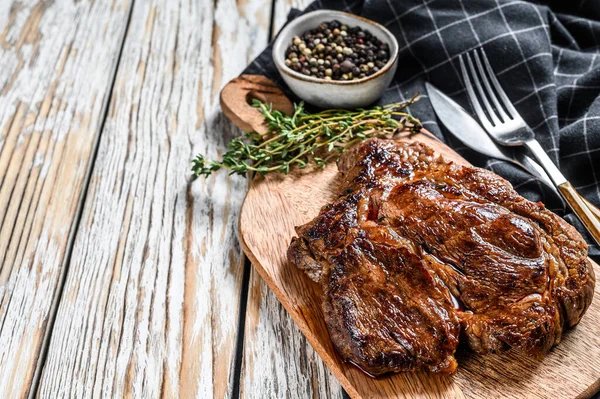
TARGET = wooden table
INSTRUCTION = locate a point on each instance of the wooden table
(120, 277)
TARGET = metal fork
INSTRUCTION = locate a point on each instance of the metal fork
(504, 124)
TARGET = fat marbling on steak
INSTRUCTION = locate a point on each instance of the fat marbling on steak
(417, 253)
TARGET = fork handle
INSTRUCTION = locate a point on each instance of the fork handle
(530, 166)
(580, 208)
(591, 207)
(571, 196)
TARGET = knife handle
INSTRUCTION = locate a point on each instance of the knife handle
(581, 209)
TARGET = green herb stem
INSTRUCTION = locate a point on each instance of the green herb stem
(304, 138)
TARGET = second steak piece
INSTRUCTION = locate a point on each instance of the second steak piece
(416, 249)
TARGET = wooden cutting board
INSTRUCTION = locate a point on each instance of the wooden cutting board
(276, 203)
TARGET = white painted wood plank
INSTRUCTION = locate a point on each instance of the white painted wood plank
(281, 10)
(57, 63)
(150, 304)
(278, 361)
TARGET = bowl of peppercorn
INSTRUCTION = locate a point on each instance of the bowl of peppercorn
(333, 59)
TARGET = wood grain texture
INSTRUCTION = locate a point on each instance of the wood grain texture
(277, 203)
(282, 8)
(57, 61)
(150, 304)
(278, 361)
(236, 101)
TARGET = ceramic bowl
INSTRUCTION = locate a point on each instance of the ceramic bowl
(335, 93)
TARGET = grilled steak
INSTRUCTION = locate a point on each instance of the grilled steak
(417, 253)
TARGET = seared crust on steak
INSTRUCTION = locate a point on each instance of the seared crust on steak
(417, 252)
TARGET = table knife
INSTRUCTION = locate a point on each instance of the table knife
(466, 129)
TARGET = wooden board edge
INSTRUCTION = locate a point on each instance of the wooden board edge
(593, 389)
(329, 362)
(589, 392)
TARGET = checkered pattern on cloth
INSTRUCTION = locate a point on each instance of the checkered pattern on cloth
(546, 56)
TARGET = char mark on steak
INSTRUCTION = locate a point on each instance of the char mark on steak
(417, 253)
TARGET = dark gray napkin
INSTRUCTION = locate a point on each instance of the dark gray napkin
(546, 55)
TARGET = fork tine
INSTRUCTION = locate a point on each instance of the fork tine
(505, 100)
(490, 92)
(484, 99)
(474, 100)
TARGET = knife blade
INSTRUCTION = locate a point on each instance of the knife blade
(466, 129)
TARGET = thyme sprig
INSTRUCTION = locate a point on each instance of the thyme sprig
(304, 137)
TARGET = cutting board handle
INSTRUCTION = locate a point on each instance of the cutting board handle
(237, 96)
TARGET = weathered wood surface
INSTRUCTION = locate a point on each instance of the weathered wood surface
(57, 64)
(278, 361)
(281, 9)
(572, 369)
(150, 305)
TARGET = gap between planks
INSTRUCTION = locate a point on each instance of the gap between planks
(78, 215)
(239, 344)
(157, 37)
(77, 219)
(52, 116)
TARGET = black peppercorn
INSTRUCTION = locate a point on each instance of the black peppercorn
(346, 66)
